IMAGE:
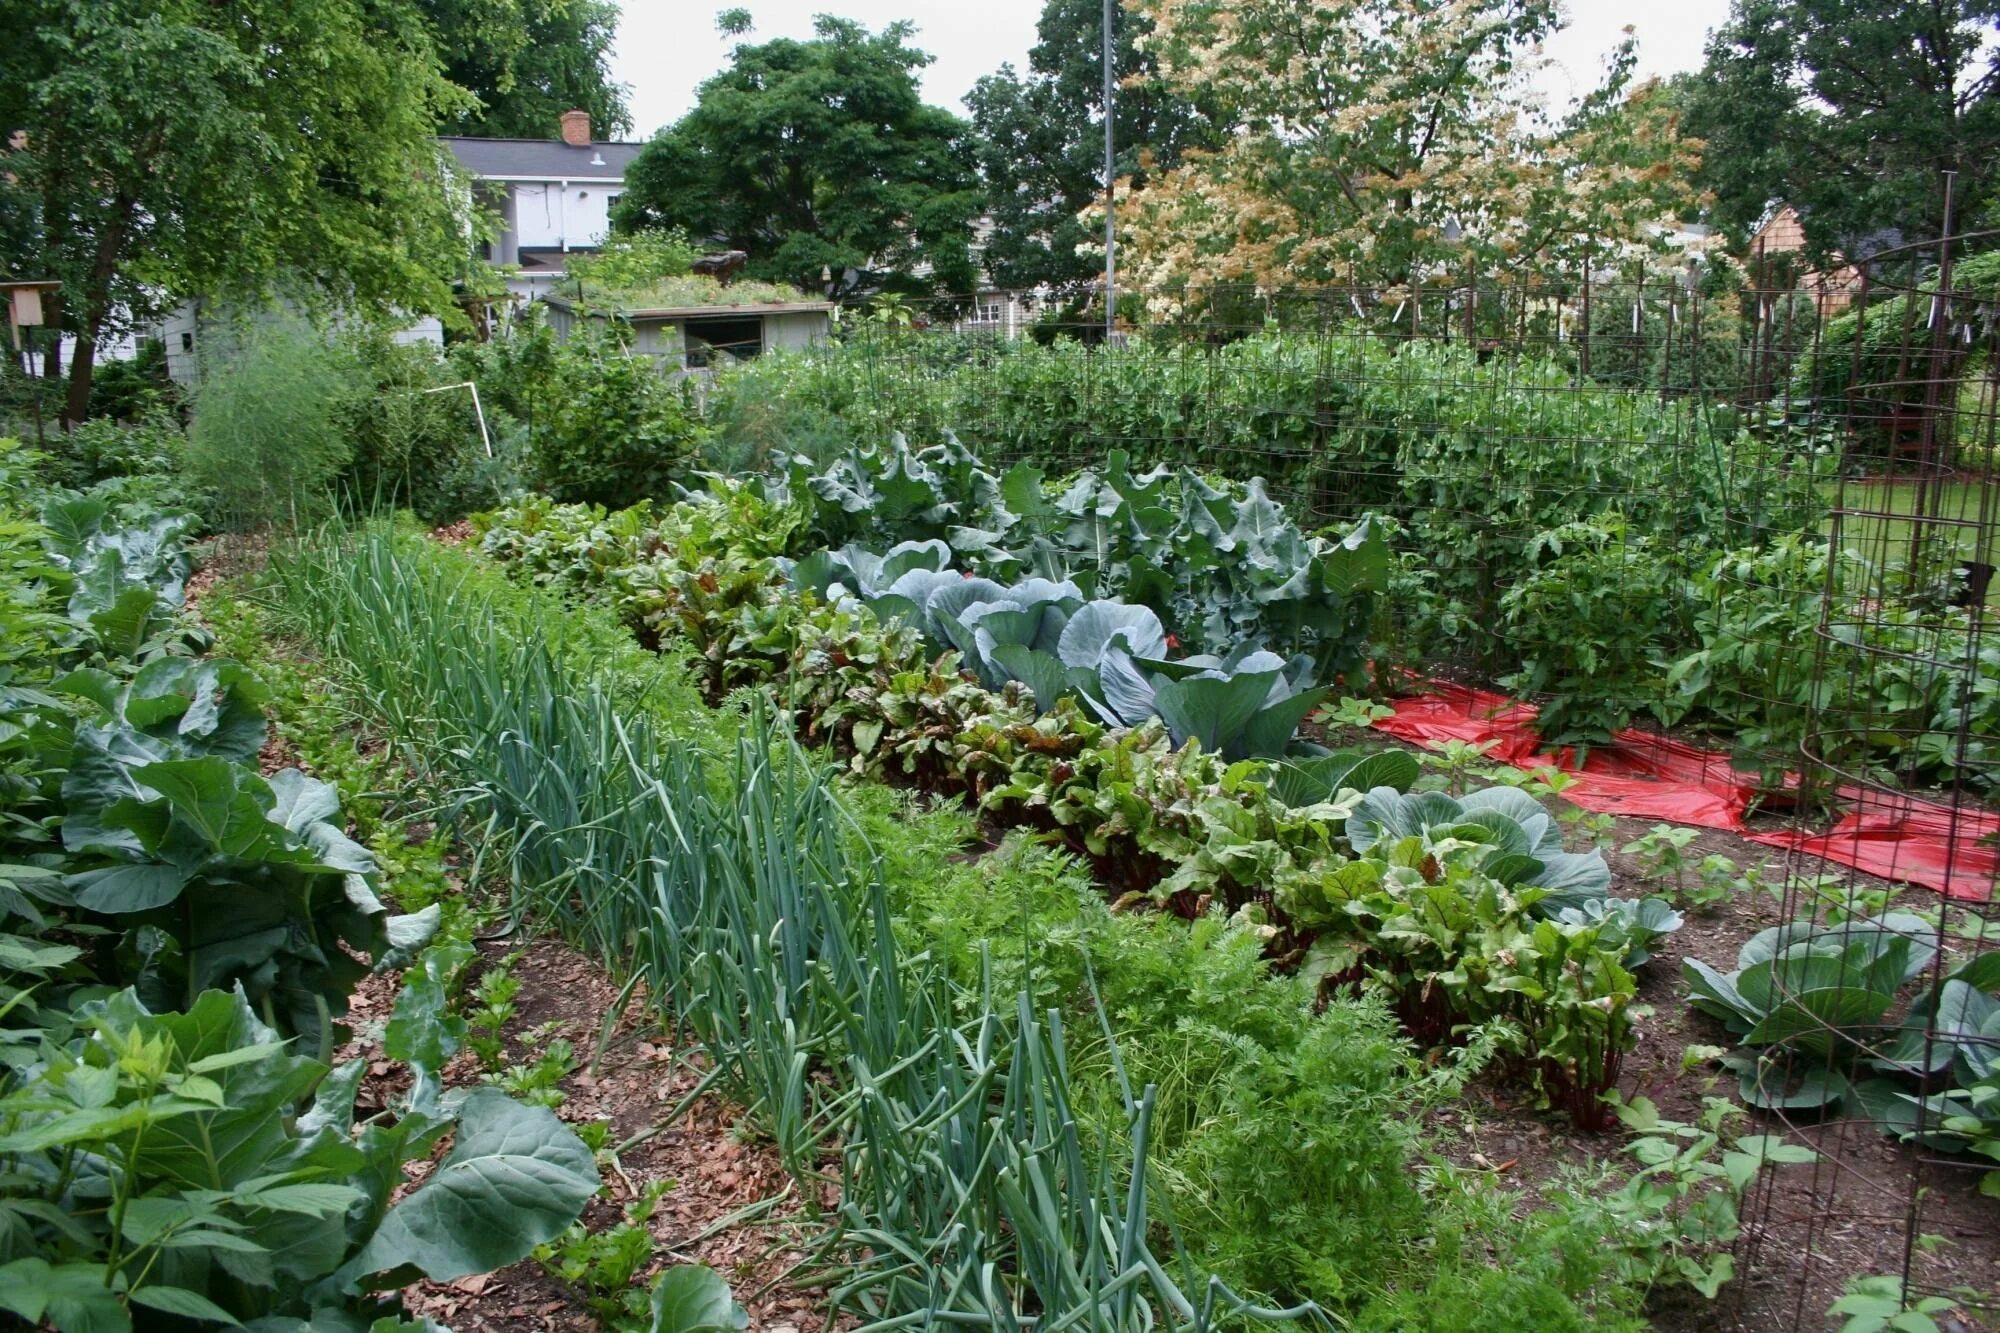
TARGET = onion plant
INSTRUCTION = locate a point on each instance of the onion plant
(713, 872)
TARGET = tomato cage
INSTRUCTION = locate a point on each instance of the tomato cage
(1869, 1019)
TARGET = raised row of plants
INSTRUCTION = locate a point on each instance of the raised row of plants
(706, 859)
(1468, 912)
(1180, 779)
(179, 935)
(1621, 557)
(1051, 1090)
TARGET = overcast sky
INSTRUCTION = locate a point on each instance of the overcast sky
(667, 47)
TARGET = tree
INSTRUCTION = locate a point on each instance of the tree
(1393, 141)
(1041, 141)
(528, 61)
(818, 155)
(1851, 111)
(171, 148)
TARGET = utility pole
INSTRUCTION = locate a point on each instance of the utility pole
(1110, 183)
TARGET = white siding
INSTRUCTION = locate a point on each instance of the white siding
(795, 330)
(573, 215)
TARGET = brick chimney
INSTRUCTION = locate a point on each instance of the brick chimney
(576, 128)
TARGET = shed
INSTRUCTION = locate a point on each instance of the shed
(686, 335)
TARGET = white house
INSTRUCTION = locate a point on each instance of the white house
(553, 197)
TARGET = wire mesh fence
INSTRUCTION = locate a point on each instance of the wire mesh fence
(1759, 514)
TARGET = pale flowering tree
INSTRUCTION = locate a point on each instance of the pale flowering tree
(1390, 142)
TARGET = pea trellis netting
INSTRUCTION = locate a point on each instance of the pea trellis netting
(1736, 543)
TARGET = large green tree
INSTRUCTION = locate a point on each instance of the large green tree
(1041, 138)
(1850, 110)
(173, 148)
(528, 61)
(818, 155)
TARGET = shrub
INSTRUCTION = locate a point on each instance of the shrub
(417, 441)
(134, 389)
(596, 424)
(271, 422)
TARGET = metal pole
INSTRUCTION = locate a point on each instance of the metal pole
(1110, 183)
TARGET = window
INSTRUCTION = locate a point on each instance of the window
(733, 337)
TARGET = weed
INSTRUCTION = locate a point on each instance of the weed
(604, 1266)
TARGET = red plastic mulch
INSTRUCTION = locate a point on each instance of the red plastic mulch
(1646, 776)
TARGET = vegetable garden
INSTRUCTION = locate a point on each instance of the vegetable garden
(976, 767)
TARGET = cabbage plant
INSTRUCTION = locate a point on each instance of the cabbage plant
(1524, 844)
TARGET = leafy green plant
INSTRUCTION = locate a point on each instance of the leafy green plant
(1458, 761)
(1692, 1179)
(1519, 842)
(605, 1264)
(490, 1007)
(539, 1083)
(689, 1298)
(157, 1165)
(1660, 853)
(1596, 628)
(1810, 996)
(1875, 1303)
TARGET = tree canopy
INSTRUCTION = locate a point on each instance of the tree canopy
(1389, 141)
(1041, 141)
(528, 61)
(818, 155)
(1851, 111)
(172, 148)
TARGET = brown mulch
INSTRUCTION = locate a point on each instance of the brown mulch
(716, 1165)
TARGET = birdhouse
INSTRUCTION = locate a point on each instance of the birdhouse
(24, 304)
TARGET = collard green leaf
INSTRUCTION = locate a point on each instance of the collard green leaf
(128, 888)
(693, 1298)
(515, 1178)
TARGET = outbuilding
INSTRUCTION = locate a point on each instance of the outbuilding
(688, 337)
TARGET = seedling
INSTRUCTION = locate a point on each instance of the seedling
(1876, 1303)
(491, 1010)
(1458, 762)
(1362, 713)
(605, 1265)
(1719, 879)
(1661, 855)
(538, 1083)
(1833, 900)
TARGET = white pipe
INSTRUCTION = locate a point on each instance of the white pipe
(477, 410)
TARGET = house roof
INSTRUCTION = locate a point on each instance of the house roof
(700, 311)
(542, 159)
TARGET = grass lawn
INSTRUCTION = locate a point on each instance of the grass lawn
(1875, 537)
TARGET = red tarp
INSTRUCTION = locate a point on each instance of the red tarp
(1645, 776)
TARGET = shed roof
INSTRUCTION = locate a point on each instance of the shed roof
(543, 159)
(704, 311)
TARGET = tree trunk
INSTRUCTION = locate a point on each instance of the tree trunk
(96, 307)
